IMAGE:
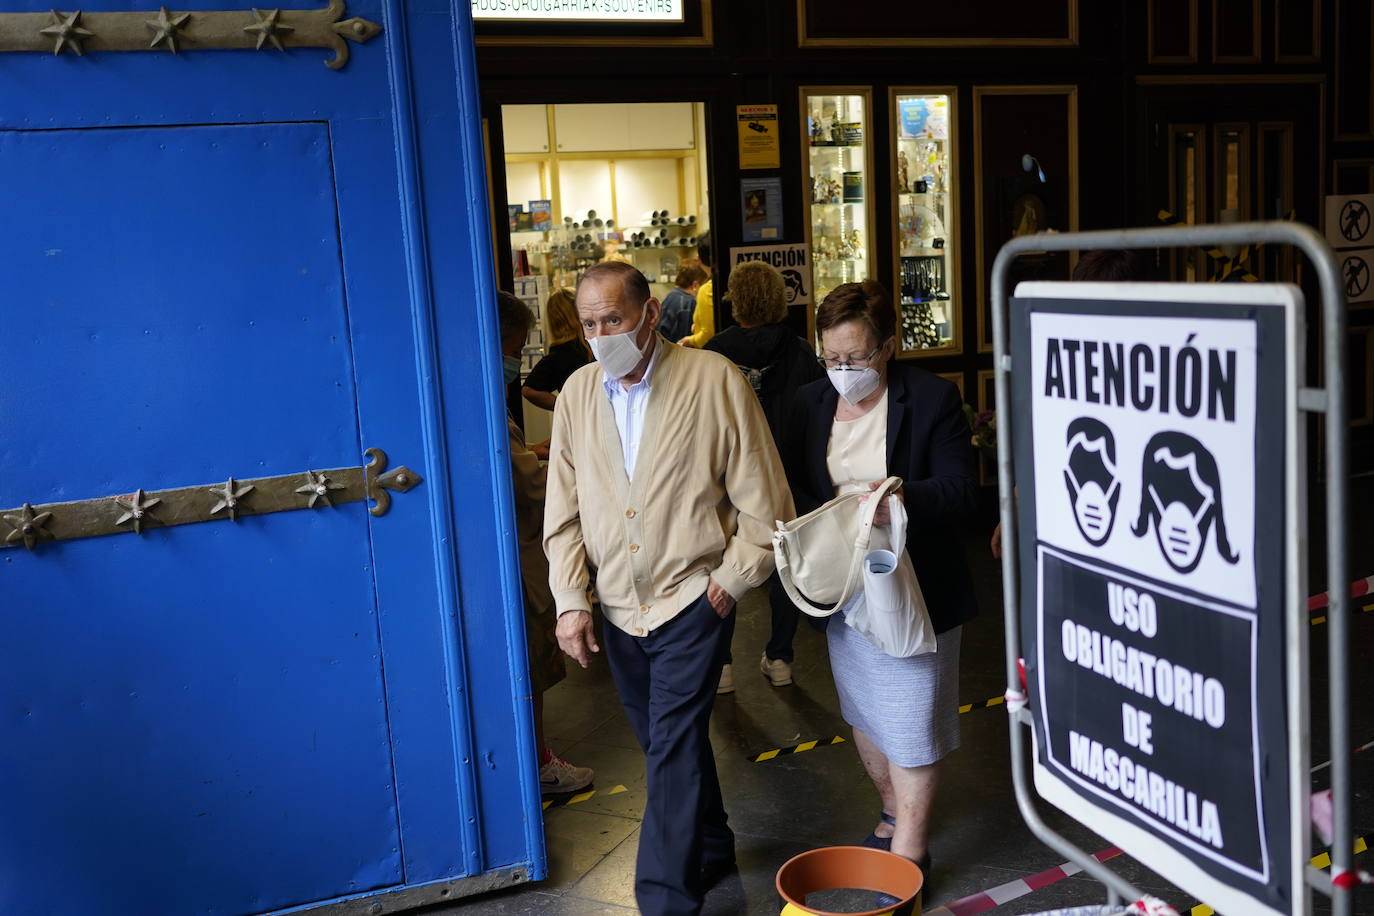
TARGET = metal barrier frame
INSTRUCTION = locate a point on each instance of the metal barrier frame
(1329, 400)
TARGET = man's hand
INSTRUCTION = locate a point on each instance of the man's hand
(996, 544)
(541, 450)
(575, 636)
(685, 341)
(722, 602)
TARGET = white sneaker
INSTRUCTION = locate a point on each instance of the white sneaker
(558, 777)
(727, 680)
(778, 672)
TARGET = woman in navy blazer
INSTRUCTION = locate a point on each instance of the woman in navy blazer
(903, 422)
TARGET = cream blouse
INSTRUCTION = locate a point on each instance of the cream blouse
(856, 455)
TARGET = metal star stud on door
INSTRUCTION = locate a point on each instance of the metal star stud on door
(229, 495)
(29, 527)
(317, 487)
(66, 32)
(267, 27)
(137, 509)
(166, 28)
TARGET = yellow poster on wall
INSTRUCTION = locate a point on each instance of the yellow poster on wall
(758, 136)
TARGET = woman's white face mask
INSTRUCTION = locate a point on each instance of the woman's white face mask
(1181, 532)
(854, 384)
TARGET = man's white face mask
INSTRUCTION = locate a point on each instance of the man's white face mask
(618, 354)
(1094, 508)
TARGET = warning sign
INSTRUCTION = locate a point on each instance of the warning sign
(758, 136)
(1152, 519)
(1357, 267)
(792, 261)
(1350, 220)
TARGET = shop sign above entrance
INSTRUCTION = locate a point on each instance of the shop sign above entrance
(578, 10)
(1152, 489)
(792, 261)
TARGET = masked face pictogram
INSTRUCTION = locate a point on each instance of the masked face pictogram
(1182, 498)
(1090, 478)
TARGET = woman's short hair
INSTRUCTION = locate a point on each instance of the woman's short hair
(690, 272)
(561, 311)
(757, 294)
(867, 301)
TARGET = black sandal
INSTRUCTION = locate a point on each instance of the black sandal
(873, 841)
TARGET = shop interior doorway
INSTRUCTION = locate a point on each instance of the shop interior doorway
(591, 182)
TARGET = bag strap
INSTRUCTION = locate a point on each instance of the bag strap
(854, 576)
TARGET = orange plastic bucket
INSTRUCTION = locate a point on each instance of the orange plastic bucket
(834, 867)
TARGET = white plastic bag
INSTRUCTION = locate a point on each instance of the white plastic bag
(892, 612)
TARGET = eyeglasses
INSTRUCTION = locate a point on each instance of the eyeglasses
(860, 363)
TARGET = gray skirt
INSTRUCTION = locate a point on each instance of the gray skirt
(909, 707)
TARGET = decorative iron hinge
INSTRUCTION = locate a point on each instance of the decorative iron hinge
(143, 509)
(78, 31)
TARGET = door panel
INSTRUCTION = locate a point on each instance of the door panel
(226, 675)
(240, 262)
(1261, 160)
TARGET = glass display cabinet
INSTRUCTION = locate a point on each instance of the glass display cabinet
(840, 163)
(926, 208)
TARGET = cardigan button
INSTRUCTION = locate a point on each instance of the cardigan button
(634, 548)
(643, 609)
(629, 513)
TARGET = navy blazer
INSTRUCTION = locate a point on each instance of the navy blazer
(928, 446)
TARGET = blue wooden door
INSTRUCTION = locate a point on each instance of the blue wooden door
(236, 262)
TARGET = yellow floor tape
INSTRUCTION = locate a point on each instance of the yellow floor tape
(579, 798)
(1323, 860)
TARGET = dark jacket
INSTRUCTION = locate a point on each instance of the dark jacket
(777, 363)
(678, 306)
(928, 447)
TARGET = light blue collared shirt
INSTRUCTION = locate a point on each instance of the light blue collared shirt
(628, 405)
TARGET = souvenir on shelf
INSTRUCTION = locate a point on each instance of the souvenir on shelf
(922, 160)
(838, 212)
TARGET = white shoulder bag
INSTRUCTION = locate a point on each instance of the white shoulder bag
(820, 556)
(891, 612)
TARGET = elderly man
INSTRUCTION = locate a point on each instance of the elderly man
(663, 478)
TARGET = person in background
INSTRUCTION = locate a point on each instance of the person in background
(1105, 265)
(528, 478)
(704, 316)
(566, 354)
(664, 478)
(868, 420)
(776, 362)
(681, 300)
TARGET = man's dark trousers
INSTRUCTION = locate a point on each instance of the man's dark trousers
(667, 683)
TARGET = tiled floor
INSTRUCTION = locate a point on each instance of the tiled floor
(792, 803)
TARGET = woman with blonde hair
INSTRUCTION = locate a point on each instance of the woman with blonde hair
(566, 354)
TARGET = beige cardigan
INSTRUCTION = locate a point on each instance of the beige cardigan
(708, 486)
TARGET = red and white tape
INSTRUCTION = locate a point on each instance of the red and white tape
(1358, 589)
(994, 897)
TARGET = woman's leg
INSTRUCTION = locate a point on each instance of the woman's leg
(879, 770)
(914, 790)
